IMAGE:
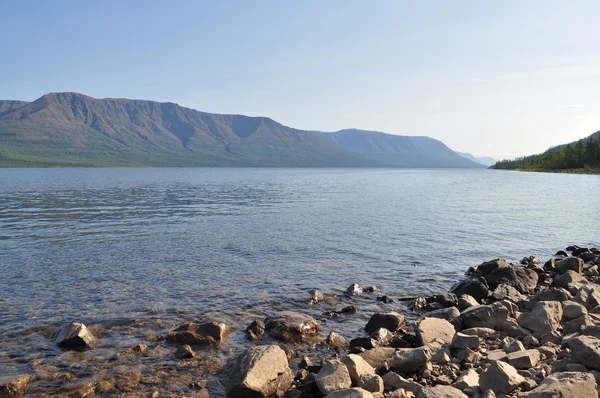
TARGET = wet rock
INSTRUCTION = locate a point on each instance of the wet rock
(571, 263)
(545, 317)
(593, 270)
(462, 341)
(316, 297)
(392, 321)
(371, 383)
(14, 385)
(378, 355)
(531, 261)
(351, 393)
(357, 367)
(184, 352)
(385, 299)
(468, 378)
(382, 336)
(524, 359)
(291, 326)
(256, 330)
(366, 343)
(259, 371)
(199, 334)
(562, 253)
(565, 384)
(489, 316)
(73, 336)
(441, 392)
(500, 377)
(586, 351)
(570, 281)
(476, 288)
(333, 376)
(430, 329)
(393, 381)
(335, 340)
(523, 279)
(138, 349)
(354, 289)
(577, 251)
(466, 301)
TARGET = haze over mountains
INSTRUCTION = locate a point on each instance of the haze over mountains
(70, 129)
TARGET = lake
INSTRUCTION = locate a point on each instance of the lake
(135, 252)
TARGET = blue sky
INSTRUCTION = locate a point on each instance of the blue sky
(497, 78)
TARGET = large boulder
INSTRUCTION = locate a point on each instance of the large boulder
(393, 381)
(291, 326)
(259, 371)
(412, 359)
(500, 377)
(449, 313)
(567, 385)
(73, 336)
(545, 317)
(570, 281)
(507, 292)
(487, 316)
(468, 378)
(476, 288)
(377, 356)
(392, 321)
(350, 393)
(441, 392)
(572, 263)
(488, 266)
(524, 359)
(572, 310)
(586, 351)
(333, 376)
(430, 329)
(553, 294)
(523, 279)
(357, 367)
(588, 295)
(199, 333)
(15, 385)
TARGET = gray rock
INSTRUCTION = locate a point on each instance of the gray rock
(357, 367)
(441, 392)
(462, 341)
(316, 297)
(553, 337)
(392, 321)
(14, 385)
(511, 345)
(468, 378)
(530, 341)
(507, 292)
(371, 383)
(449, 314)
(588, 295)
(571, 263)
(393, 381)
(586, 351)
(545, 317)
(73, 336)
(259, 371)
(488, 316)
(256, 330)
(354, 289)
(523, 279)
(350, 393)
(497, 355)
(291, 326)
(591, 330)
(575, 325)
(184, 352)
(475, 288)
(480, 332)
(553, 294)
(382, 336)
(489, 266)
(572, 310)
(567, 385)
(571, 281)
(199, 334)
(465, 301)
(333, 376)
(377, 356)
(413, 359)
(524, 359)
(500, 377)
(430, 329)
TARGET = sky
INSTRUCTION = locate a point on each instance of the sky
(493, 78)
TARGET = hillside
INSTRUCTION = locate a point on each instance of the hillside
(484, 160)
(70, 129)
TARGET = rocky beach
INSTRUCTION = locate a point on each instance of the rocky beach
(529, 329)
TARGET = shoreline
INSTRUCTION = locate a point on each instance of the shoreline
(488, 325)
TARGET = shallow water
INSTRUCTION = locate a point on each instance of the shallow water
(135, 252)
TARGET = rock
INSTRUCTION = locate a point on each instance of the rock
(476, 288)
(523, 279)
(316, 297)
(553, 294)
(488, 394)
(449, 314)
(14, 385)
(333, 376)
(531, 261)
(489, 266)
(430, 329)
(357, 367)
(371, 383)
(441, 392)
(413, 359)
(488, 316)
(351, 393)
(500, 377)
(570, 280)
(465, 301)
(530, 341)
(199, 334)
(382, 336)
(364, 342)
(385, 299)
(561, 253)
(588, 257)
(553, 337)
(138, 349)
(545, 317)
(335, 340)
(588, 295)
(574, 325)
(393, 381)
(571, 263)
(468, 378)
(184, 352)
(586, 351)
(511, 345)
(256, 330)
(572, 310)
(565, 384)
(577, 251)
(376, 356)
(291, 326)
(392, 321)
(524, 359)
(354, 290)
(73, 336)
(479, 332)
(590, 330)
(462, 341)
(497, 355)
(507, 292)
(259, 371)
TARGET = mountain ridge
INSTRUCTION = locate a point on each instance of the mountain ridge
(69, 128)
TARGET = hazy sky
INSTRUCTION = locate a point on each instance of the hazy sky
(498, 78)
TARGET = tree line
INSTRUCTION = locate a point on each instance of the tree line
(583, 154)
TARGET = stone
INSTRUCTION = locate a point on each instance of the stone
(586, 351)
(316, 297)
(593, 270)
(377, 356)
(393, 381)
(553, 337)
(199, 334)
(523, 279)
(476, 288)
(553, 294)
(392, 321)
(590, 330)
(385, 299)
(468, 378)
(570, 281)
(14, 385)
(575, 325)
(489, 394)
(524, 359)
(545, 317)
(430, 329)
(572, 310)
(382, 336)
(184, 352)
(497, 355)
(588, 295)
(511, 345)
(73, 336)
(259, 371)
(333, 376)
(479, 332)
(364, 342)
(466, 301)
(571, 263)
(507, 292)
(489, 266)
(354, 290)
(336, 340)
(351, 393)
(441, 392)
(412, 359)
(256, 330)
(530, 341)
(449, 313)
(462, 341)
(565, 384)
(500, 377)
(357, 367)
(290, 326)
(371, 383)
(488, 316)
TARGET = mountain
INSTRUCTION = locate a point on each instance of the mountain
(71, 129)
(484, 160)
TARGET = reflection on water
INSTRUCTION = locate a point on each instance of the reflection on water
(157, 247)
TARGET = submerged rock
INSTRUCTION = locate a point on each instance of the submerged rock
(73, 336)
(291, 326)
(256, 330)
(199, 334)
(14, 386)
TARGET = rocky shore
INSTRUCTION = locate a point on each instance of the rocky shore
(529, 329)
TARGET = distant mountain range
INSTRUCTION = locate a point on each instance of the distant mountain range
(70, 129)
(484, 160)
